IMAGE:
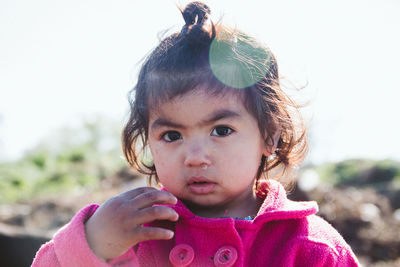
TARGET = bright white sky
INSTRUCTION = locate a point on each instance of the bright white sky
(62, 60)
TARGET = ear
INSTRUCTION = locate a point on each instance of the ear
(269, 148)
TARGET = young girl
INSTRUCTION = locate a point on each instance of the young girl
(209, 107)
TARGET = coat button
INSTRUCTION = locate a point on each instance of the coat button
(181, 255)
(225, 256)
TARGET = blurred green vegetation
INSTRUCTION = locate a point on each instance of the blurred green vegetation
(71, 158)
(362, 172)
(77, 157)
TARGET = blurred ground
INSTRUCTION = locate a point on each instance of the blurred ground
(367, 217)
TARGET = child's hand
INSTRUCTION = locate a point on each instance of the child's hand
(116, 225)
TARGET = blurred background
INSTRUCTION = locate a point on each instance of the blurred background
(66, 68)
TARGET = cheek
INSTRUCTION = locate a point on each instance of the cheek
(163, 160)
(244, 158)
(244, 164)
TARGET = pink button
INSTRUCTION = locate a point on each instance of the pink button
(181, 255)
(225, 256)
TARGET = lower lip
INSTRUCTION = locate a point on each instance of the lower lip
(202, 189)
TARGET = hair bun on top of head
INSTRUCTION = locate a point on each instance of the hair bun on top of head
(196, 15)
(196, 12)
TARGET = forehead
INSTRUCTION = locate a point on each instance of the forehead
(197, 104)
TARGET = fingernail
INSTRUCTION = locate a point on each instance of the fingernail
(170, 234)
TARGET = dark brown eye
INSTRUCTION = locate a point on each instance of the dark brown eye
(171, 136)
(221, 131)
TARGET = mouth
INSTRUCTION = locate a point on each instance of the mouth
(202, 182)
(201, 185)
(199, 179)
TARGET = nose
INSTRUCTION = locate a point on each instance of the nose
(197, 154)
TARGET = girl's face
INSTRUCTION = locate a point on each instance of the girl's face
(206, 149)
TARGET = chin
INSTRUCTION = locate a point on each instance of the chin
(202, 201)
(208, 202)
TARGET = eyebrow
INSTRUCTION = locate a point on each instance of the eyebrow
(215, 116)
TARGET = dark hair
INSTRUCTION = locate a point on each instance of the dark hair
(220, 59)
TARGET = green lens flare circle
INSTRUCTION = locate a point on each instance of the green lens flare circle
(239, 63)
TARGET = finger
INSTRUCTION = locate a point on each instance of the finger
(150, 214)
(153, 233)
(150, 198)
(131, 194)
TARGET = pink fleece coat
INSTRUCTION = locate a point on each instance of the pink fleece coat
(284, 233)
